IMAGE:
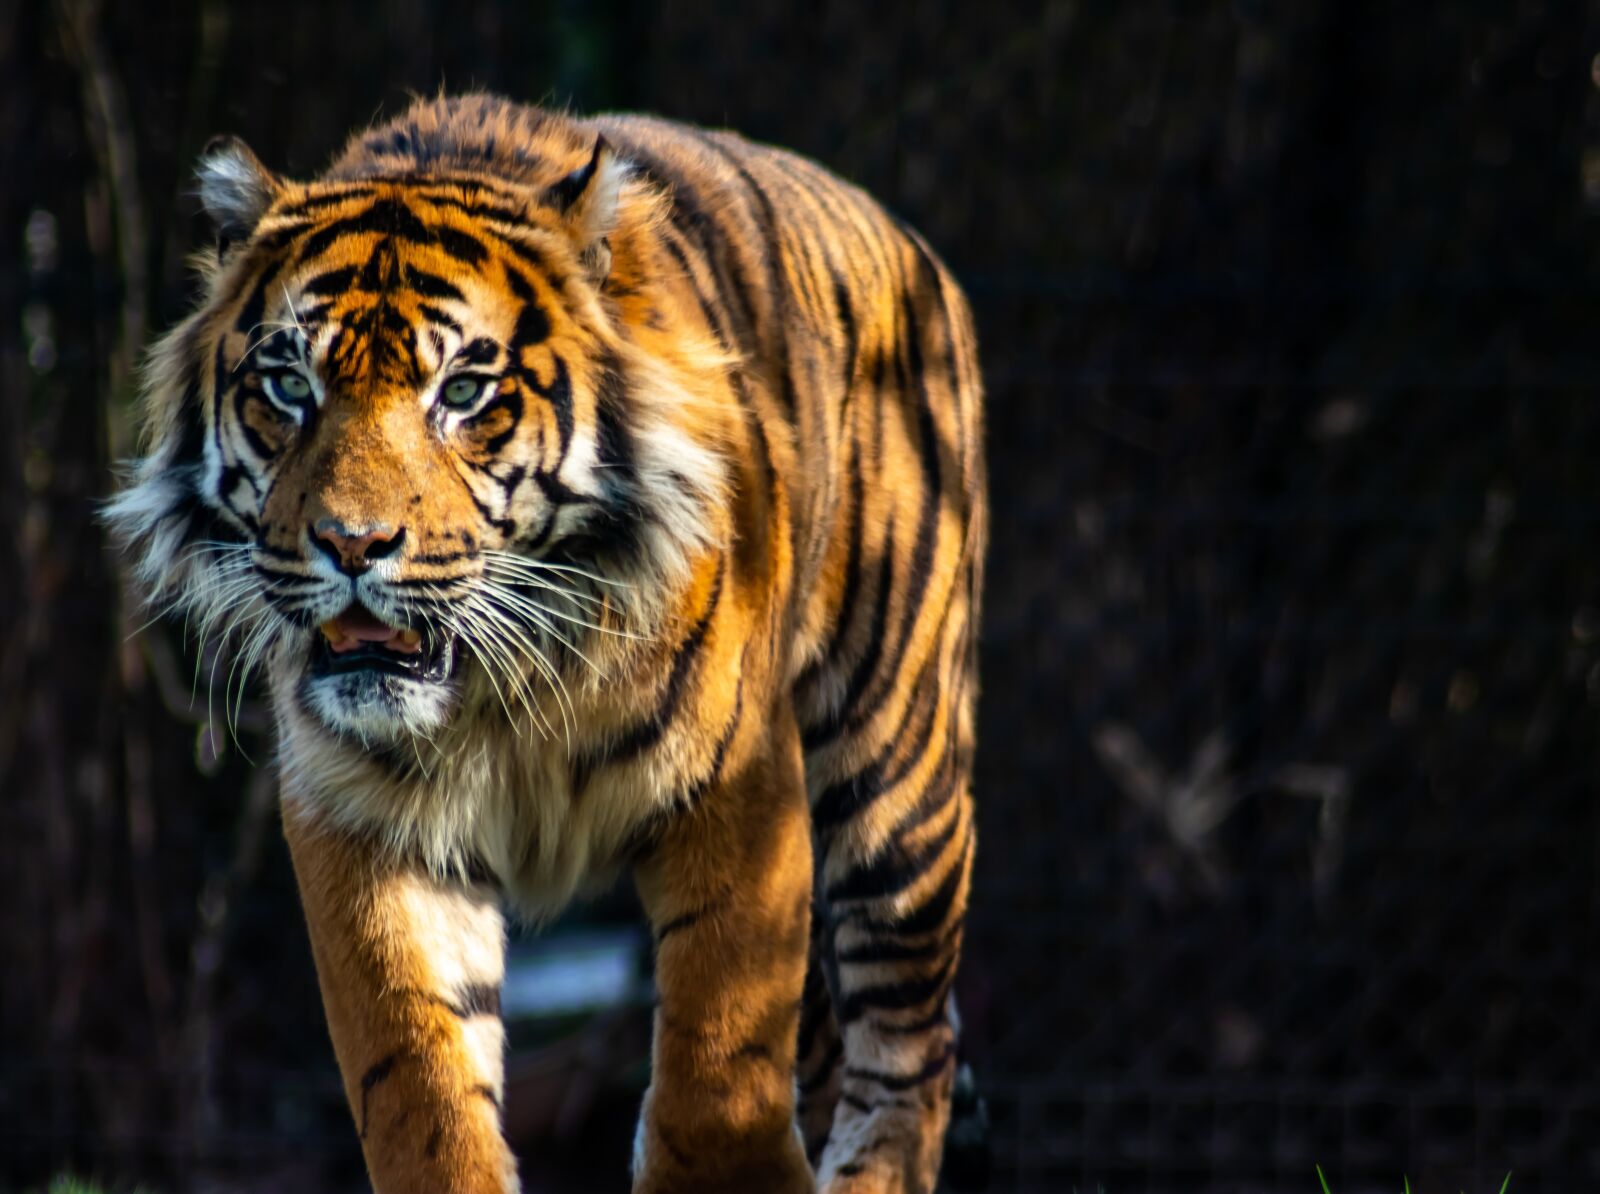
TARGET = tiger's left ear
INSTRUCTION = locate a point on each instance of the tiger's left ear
(586, 199)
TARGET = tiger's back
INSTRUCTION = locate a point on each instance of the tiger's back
(869, 396)
(616, 488)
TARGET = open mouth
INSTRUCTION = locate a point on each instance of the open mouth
(357, 640)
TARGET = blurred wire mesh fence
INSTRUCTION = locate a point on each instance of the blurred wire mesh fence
(1292, 648)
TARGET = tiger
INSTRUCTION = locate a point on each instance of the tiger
(596, 496)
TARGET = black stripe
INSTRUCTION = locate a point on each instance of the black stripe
(379, 272)
(934, 1067)
(691, 794)
(894, 997)
(615, 523)
(505, 526)
(529, 254)
(736, 284)
(819, 1077)
(809, 241)
(843, 800)
(778, 295)
(847, 317)
(482, 211)
(520, 286)
(533, 325)
(274, 241)
(327, 199)
(464, 247)
(279, 575)
(482, 351)
(250, 313)
(314, 315)
(676, 1151)
(388, 216)
(678, 923)
(444, 176)
(330, 282)
(845, 614)
(952, 370)
(228, 483)
(927, 692)
(847, 797)
(649, 733)
(920, 568)
(939, 1015)
(280, 553)
(431, 285)
(559, 395)
(442, 318)
(831, 200)
(376, 1073)
(708, 309)
(282, 345)
(505, 399)
(479, 999)
(754, 1050)
(556, 491)
(891, 949)
(935, 910)
(937, 795)
(646, 734)
(613, 446)
(894, 869)
(861, 674)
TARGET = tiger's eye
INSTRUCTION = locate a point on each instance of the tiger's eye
(462, 391)
(291, 386)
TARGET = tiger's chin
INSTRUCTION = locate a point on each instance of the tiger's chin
(378, 696)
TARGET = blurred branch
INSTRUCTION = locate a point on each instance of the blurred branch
(111, 133)
(199, 113)
(1190, 805)
(1193, 804)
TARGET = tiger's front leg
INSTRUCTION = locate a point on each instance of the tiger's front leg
(728, 892)
(410, 971)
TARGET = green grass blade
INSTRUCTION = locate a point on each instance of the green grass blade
(1321, 1177)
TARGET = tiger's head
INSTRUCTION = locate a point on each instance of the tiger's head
(405, 434)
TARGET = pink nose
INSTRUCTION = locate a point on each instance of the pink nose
(354, 553)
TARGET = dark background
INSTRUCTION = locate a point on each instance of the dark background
(1290, 317)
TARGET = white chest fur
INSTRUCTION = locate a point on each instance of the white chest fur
(493, 792)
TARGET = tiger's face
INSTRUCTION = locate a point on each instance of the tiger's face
(397, 442)
(412, 425)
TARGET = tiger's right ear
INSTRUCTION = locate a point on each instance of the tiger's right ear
(235, 188)
(586, 200)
